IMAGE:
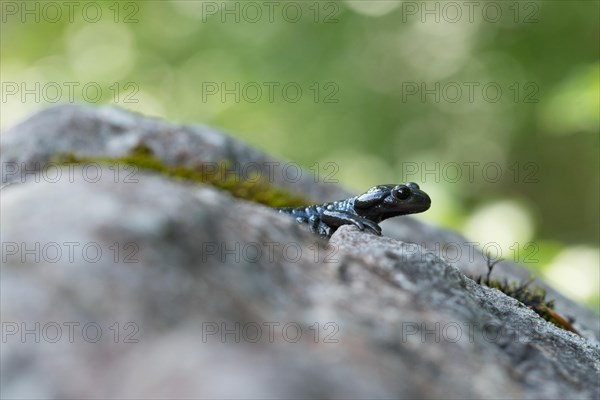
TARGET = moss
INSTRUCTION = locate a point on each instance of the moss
(534, 298)
(256, 190)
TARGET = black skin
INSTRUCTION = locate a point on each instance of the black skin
(364, 211)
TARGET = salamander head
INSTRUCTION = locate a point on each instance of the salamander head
(386, 201)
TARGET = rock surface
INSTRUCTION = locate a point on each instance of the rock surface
(158, 288)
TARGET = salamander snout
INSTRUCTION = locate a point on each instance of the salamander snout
(411, 197)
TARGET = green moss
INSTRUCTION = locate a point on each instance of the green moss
(257, 190)
(534, 298)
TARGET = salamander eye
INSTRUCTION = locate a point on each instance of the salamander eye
(401, 192)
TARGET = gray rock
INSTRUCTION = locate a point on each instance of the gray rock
(158, 288)
(113, 132)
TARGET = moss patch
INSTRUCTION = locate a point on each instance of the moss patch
(534, 298)
(254, 189)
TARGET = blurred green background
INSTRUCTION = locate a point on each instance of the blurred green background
(493, 107)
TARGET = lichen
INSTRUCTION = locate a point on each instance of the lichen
(256, 190)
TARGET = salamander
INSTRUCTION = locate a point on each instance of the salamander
(364, 211)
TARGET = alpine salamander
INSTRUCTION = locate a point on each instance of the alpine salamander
(365, 211)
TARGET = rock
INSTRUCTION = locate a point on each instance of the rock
(161, 288)
(112, 132)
